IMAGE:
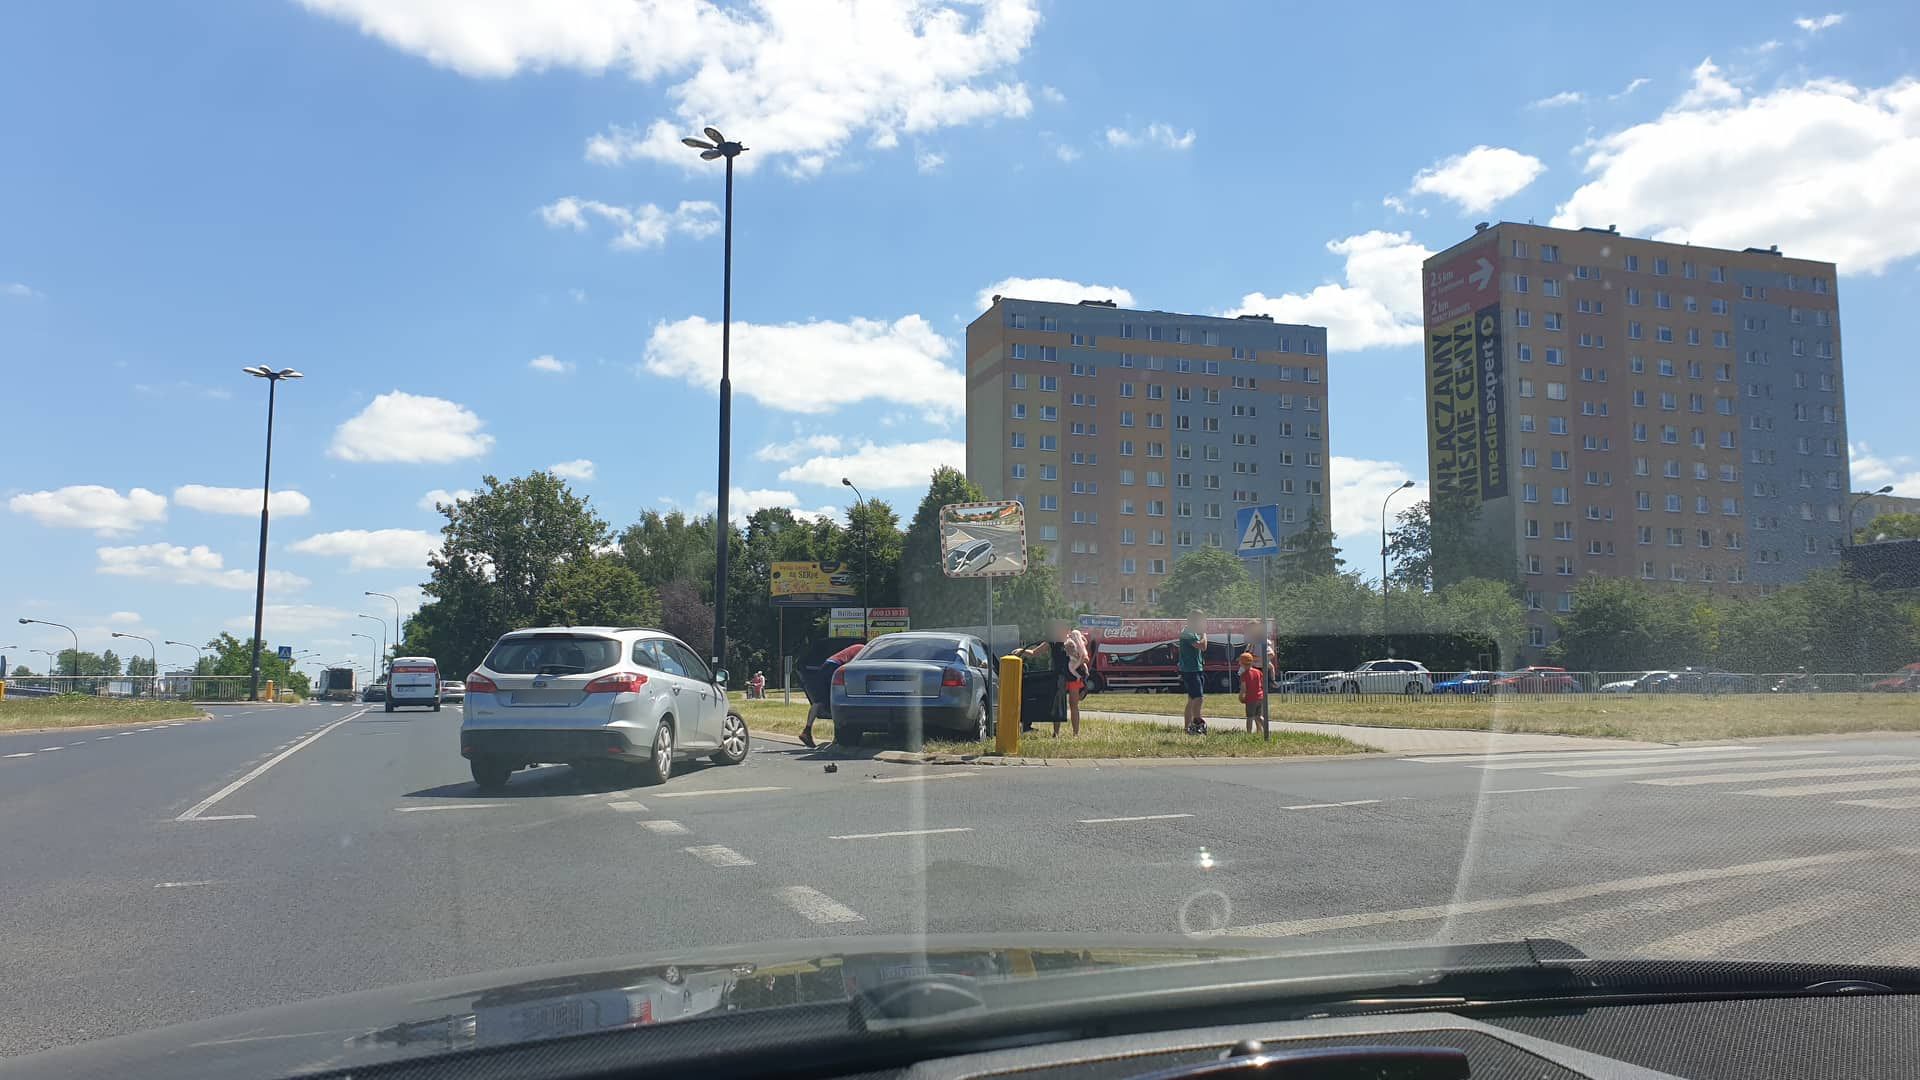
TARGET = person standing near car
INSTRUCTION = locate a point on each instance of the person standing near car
(1056, 663)
(1192, 666)
(1253, 691)
(820, 688)
(1079, 666)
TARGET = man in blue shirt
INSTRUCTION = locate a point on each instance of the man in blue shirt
(1193, 645)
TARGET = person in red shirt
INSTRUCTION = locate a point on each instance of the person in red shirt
(820, 688)
(1253, 691)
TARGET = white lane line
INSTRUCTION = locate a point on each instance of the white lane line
(1834, 789)
(1904, 802)
(1586, 923)
(1524, 790)
(225, 817)
(664, 828)
(902, 832)
(101, 738)
(1637, 757)
(1779, 774)
(449, 806)
(1551, 897)
(207, 803)
(626, 805)
(713, 791)
(74, 744)
(1330, 805)
(1717, 939)
(921, 776)
(718, 855)
(1574, 755)
(28, 753)
(49, 749)
(1750, 761)
(1142, 817)
(817, 907)
(182, 884)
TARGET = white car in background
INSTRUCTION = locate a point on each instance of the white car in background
(1382, 677)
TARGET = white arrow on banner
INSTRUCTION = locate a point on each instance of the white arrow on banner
(1482, 274)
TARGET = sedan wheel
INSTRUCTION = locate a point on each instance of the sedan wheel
(982, 730)
(659, 764)
(490, 773)
(1414, 688)
(733, 741)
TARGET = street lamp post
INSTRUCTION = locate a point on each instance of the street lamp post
(1383, 552)
(200, 653)
(68, 629)
(1854, 507)
(51, 659)
(866, 560)
(273, 377)
(396, 616)
(715, 145)
(376, 660)
(152, 653)
(383, 637)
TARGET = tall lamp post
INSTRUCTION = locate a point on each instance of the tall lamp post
(201, 653)
(273, 377)
(382, 623)
(1383, 553)
(715, 145)
(1854, 507)
(866, 560)
(68, 629)
(52, 658)
(396, 617)
(152, 653)
(376, 660)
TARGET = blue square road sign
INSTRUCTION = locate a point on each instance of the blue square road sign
(1257, 528)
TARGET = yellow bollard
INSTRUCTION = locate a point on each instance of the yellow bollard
(1006, 732)
(3, 690)
(269, 695)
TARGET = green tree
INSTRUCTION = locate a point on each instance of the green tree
(21, 671)
(1765, 633)
(1031, 599)
(1620, 625)
(685, 615)
(669, 547)
(1326, 604)
(1889, 527)
(1853, 625)
(82, 663)
(934, 598)
(1209, 580)
(234, 656)
(1480, 606)
(1410, 547)
(1460, 548)
(1311, 552)
(140, 665)
(599, 590)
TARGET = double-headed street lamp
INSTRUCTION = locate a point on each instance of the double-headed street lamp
(376, 659)
(199, 653)
(273, 377)
(68, 629)
(152, 653)
(1383, 552)
(1854, 507)
(382, 623)
(866, 559)
(51, 658)
(396, 616)
(715, 145)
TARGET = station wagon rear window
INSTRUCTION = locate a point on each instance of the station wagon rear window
(553, 654)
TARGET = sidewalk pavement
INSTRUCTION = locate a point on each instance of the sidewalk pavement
(1395, 740)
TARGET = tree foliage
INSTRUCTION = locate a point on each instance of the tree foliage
(1209, 580)
(933, 598)
(1310, 552)
(1889, 527)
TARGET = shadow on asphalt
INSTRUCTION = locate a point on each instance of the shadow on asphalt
(559, 781)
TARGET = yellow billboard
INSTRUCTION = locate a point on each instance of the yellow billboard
(813, 583)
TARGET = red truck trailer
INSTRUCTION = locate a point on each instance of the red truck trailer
(1143, 654)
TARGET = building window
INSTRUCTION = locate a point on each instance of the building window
(1018, 440)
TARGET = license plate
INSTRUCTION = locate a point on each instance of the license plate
(890, 686)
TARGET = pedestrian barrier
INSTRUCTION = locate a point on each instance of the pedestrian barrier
(1550, 685)
(211, 688)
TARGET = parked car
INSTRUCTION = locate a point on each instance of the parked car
(1630, 686)
(592, 696)
(1689, 681)
(971, 556)
(375, 692)
(1382, 677)
(909, 682)
(1302, 682)
(1538, 679)
(1906, 681)
(453, 690)
(1467, 682)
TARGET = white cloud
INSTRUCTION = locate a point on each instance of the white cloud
(799, 448)
(928, 162)
(398, 426)
(550, 366)
(636, 228)
(1399, 206)
(1871, 471)
(431, 500)
(20, 290)
(183, 388)
(124, 618)
(1358, 486)
(1052, 95)
(577, 469)
(1838, 171)
(904, 362)
(743, 503)
(279, 620)
(1629, 88)
(1815, 25)
(880, 467)
(1479, 178)
(90, 506)
(579, 295)
(1555, 101)
(1066, 153)
(177, 565)
(240, 501)
(1057, 290)
(1156, 136)
(797, 82)
(1378, 306)
(372, 549)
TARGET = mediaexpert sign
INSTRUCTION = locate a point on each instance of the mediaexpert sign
(1466, 372)
(983, 540)
(815, 584)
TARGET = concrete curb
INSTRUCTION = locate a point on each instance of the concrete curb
(97, 727)
(907, 757)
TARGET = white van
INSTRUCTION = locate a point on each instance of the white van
(414, 680)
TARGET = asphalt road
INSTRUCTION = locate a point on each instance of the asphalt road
(159, 874)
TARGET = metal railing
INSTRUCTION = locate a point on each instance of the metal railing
(1549, 685)
(216, 688)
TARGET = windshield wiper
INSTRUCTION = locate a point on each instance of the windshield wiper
(559, 669)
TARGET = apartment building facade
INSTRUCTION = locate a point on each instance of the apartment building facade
(1625, 407)
(1133, 436)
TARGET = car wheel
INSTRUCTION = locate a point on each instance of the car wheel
(389, 706)
(981, 729)
(1094, 685)
(733, 741)
(490, 774)
(436, 706)
(1414, 689)
(1351, 688)
(659, 765)
(847, 733)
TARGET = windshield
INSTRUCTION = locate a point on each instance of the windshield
(1367, 476)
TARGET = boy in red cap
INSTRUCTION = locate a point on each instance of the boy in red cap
(1253, 691)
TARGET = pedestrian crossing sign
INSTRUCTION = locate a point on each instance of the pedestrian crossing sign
(1259, 535)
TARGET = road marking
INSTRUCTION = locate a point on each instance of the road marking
(627, 805)
(1718, 938)
(1551, 897)
(74, 744)
(1779, 774)
(207, 803)
(29, 753)
(101, 738)
(1750, 761)
(902, 832)
(1573, 755)
(713, 791)
(1665, 903)
(718, 855)
(1904, 802)
(449, 806)
(49, 749)
(183, 884)
(1834, 789)
(225, 817)
(1330, 805)
(921, 776)
(1524, 790)
(664, 828)
(1633, 757)
(1142, 817)
(818, 907)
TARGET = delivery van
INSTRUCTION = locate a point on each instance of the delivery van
(414, 680)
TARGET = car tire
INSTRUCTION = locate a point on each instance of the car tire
(1351, 688)
(980, 727)
(490, 774)
(735, 740)
(659, 764)
(1094, 685)
(1415, 689)
(436, 706)
(389, 706)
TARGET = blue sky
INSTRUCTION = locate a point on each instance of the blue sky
(475, 233)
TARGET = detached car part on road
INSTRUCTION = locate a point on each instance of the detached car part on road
(593, 696)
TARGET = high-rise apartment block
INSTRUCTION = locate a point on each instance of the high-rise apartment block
(1133, 436)
(1635, 408)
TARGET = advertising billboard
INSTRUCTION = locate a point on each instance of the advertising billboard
(983, 540)
(1466, 373)
(816, 584)
(846, 621)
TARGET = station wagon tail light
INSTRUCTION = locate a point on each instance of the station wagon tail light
(620, 682)
(840, 676)
(953, 677)
(480, 684)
